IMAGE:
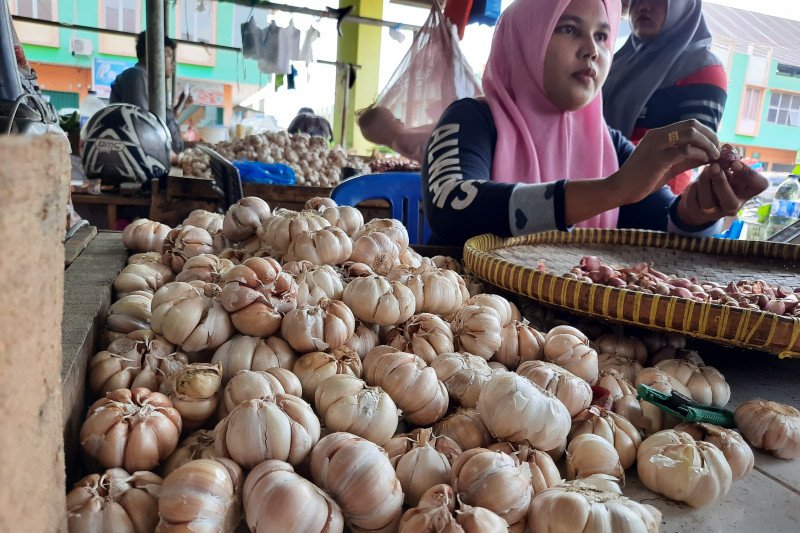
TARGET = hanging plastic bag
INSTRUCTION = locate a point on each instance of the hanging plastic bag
(433, 74)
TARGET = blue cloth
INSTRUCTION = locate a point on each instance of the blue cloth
(273, 174)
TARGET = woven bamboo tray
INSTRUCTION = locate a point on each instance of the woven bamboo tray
(511, 264)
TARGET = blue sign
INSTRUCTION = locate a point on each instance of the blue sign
(105, 71)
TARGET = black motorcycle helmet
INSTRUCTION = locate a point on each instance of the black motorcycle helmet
(123, 143)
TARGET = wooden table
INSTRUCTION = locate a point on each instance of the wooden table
(111, 201)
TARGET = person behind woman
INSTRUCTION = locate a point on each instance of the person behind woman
(665, 73)
(536, 153)
(308, 122)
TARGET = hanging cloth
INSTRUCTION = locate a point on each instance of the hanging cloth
(307, 51)
(290, 78)
(292, 36)
(252, 39)
(274, 57)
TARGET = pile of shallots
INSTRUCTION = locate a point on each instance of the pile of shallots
(311, 372)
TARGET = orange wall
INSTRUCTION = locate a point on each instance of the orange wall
(771, 155)
(61, 78)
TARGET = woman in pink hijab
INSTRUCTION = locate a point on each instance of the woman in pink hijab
(535, 153)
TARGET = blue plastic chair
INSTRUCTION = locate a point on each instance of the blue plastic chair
(403, 191)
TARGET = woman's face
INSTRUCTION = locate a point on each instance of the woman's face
(647, 17)
(578, 56)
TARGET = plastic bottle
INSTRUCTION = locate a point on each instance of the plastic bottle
(786, 205)
(90, 105)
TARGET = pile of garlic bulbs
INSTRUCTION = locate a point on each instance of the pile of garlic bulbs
(311, 372)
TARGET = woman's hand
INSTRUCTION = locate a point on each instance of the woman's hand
(662, 154)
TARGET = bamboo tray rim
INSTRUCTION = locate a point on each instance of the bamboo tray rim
(733, 326)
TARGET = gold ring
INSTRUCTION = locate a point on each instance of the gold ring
(708, 210)
(673, 137)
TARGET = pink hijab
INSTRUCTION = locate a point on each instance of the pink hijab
(536, 141)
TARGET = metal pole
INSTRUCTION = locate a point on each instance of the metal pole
(173, 80)
(10, 86)
(345, 104)
(156, 80)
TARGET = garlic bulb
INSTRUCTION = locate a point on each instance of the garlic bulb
(200, 218)
(516, 410)
(345, 217)
(154, 261)
(351, 269)
(519, 343)
(421, 461)
(671, 352)
(295, 268)
(327, 325)
(463, 375)
(140, 359)
(318, 282)
(198, 445)
(183, 243)
(589, 454)
(581, 505)
(447, 262)
(375, 300)
(410, 258)
(184, 315)
(466, 428)
(574, 392)
(202, 495)
(129, 314)
(358, 475)
(258, 294)
(411, 383)
(346, 403)
(393, 228)
(617, 430)
(623, 394)
(672, 463)
(653, 341)
(623, 346)
(204, 267)
(315, 367)
(325, 246)
(544, 472)
(770, 426)
(194, 392)
(566, 349)
(495, 481)
(435, 511)
(114, 501)
(376, 250)
(253, 353)
(706, 384)
(253, 384)
(730, 443)
(477, 330)
(284, 226)
(244, 217)
(364, 339)
(137, 277)
(276, 500)
(498, 303)
(144, 235)
(133, 429)
(437, 291)
(662, 381)
(627, 368)
(425, 335)
(319, 204)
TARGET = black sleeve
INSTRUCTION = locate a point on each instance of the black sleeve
(130, 87)
(622, 145)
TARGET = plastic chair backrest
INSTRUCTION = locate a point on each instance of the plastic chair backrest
(403, 191)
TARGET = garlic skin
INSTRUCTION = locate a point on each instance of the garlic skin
(327, 325)
(244, 217)
(514, 409)
(410, 258)
(198, 445)
(144, 235)
(295, 268)
(627, 368)
(253, 384)
(446, 262)
(114, 501)
(318, 282)
(390, 227)
(574, 392)
(137, 277)
(153, 259)
(477, 330)
(770, 426)
(498, 303)
(466, 428)
(204, 267)
(364, 339)
(346, 403)
(706, 384)
(357, 474)
(129, 313)
(583, 505)
(376, 250)
(200, 218)
(202, 495)
(589, 454)
(435, 511)
(315, 367)
(425, 335)
(544, 472)
(184, 315)
(572, 351)
(463, 375)
(413, 385)
(519, 343)
(319, 204)
(495, 481)
(183, 243)
(374, 300)
(345, 217)
(284, 226)
(629, 347)
(132, 429)
(325, 246)
(436, 291)
(243, 352)
(616, 429)
(672, 463)
(194, 392)
(277, 500)
(623, 395)
(282, 427)
(730, 443)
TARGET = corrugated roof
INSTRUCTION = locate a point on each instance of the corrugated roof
(745, 28)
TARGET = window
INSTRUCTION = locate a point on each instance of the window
(122, 15)
(751, 100)
(784, 109)
(750, 111)
(37, 9)
(788, 70)
(196, 20)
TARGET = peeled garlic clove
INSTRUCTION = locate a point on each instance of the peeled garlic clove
(770, 426)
